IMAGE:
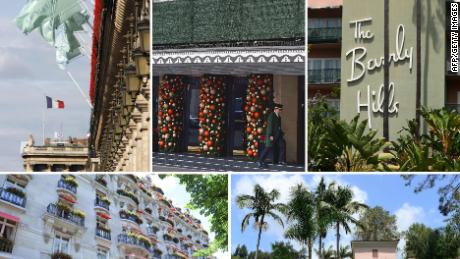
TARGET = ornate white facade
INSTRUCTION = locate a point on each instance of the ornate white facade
(90, 216)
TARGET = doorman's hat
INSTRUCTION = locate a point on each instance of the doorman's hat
(278, 106)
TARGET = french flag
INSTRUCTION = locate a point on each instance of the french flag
(54, 104)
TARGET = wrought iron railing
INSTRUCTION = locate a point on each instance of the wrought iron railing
(66, 215)
(327, 34)
(62, 184)
(6, 245)
(324, 76)
(103, 233)
(101, 203)
(130, 240)
(453, 107)
(12, 198)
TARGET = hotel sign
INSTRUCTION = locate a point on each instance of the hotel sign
(362, 89)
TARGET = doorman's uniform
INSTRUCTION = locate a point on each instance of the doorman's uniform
(278, 145)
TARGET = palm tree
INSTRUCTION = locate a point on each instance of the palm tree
(322, 218)
(329, 253)
(339, 200)
(345, 252)
(262, 204)
(300, 213)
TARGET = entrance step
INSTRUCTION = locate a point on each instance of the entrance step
(198, 162)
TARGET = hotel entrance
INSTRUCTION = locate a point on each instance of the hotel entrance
(234, 120)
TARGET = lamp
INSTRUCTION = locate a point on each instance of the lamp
(131, 78)
(142, 62)
(143, 27)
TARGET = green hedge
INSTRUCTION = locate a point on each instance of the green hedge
(201, 21)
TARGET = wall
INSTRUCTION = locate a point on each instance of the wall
(404, 78)
(286, 91)
(383, 253)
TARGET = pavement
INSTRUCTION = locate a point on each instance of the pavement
(190, 162)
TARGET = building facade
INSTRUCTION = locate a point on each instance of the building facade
(55, 156)
(120, 87)
(374, 249)
(219, 66)
(324, 50)
(346, 45)
(93, 216)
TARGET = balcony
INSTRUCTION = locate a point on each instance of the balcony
(322, 35)
(65, 187)
(130, 218)
(100, 179)
(65, 215)
(453, 107)
(324, 76)
(131, 196)
(130, 244)
(103, 233)
(100, 204)
(13, 196)
(6, 245)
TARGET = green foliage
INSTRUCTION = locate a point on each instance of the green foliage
(241, 252)
(377, 225)
(209, 195)
(282, 250)
(437, 150)
(320, 113)
(300, 216)
(15, 191)
(425, 243)
(260, 255)
(339, 201)
(202, 21)
(262, 204)
(336, 145)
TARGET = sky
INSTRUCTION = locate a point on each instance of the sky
(387, 191)
(180, 198)
(28, 71)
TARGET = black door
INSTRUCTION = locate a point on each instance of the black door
(191, 115)
(235, 116)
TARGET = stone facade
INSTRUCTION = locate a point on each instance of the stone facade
(55, 156)
(120, 120)
(90, 216)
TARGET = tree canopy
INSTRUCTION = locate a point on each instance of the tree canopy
(377, 225)
(209, 195)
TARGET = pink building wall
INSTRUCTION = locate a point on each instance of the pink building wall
(366, 253)
(324, 3)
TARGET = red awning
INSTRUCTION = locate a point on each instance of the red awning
(8, 216)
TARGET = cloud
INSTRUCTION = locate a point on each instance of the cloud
(408, 215)
(283, 183)
(405, 217)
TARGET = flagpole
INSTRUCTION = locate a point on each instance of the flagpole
(43, 122)
(79, 89)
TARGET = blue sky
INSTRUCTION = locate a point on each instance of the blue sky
(28, 71)
(388, 191)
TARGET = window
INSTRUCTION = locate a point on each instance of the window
(61, 244)
(324, 70)
(11, 183)
(314, 23)
(102, 254)
(375, 253)
(7, 228)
